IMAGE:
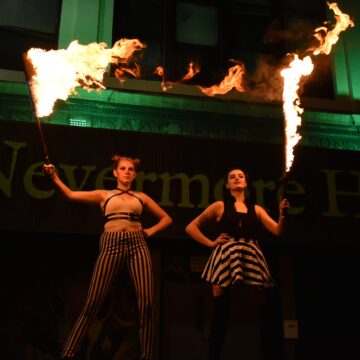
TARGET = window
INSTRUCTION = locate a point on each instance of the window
(211, 33)
(25, 24)
(143, 20)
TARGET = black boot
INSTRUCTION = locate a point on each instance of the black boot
(219, 325)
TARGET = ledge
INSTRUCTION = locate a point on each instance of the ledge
(140, 105)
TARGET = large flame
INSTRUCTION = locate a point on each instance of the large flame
(299, 68)
(59, 72)
(291, 103)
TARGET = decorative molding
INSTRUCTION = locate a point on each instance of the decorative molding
(208, 118)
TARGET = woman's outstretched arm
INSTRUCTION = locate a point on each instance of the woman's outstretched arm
(89, 197)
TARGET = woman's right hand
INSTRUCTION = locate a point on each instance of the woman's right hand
(48, 170)
(284, 204)
(221, 239)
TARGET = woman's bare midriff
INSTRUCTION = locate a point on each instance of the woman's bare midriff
(123, 228)
(121, 225)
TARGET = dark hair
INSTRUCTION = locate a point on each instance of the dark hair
(116, 158)
(229, 199)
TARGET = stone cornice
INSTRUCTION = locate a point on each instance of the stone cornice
(233, 117)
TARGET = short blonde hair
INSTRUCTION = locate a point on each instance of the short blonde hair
(116, 158)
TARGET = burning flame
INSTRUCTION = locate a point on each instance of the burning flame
(232, 80)
(291, 105)
(193, 69)
(59, 72)
(343, 21)
(299, 68)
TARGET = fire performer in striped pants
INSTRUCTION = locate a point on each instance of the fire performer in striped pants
(122, 243)
(236, 257)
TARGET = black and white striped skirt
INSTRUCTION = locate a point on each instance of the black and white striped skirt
(238, 261)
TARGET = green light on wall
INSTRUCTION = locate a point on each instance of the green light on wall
(346, 55)
(79, 122)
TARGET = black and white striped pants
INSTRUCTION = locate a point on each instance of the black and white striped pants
(118, 249)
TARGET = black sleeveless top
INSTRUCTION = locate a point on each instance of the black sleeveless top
(240, 225)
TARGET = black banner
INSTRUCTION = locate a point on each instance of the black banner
(183, 174)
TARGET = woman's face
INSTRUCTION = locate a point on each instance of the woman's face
(236, 180)
(125, 172)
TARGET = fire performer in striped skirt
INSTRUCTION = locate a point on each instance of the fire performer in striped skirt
(122, 243)
(236, 257)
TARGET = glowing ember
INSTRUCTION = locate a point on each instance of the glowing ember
(159, 71)
(232, 80)
(291, 105)
(193, 69)
(59, 72)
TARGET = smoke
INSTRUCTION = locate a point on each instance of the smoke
(265, 83)
(297, 36)
(320, 83)
(294, 36)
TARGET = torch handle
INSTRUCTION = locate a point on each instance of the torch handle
(284, 181)
(43, 142)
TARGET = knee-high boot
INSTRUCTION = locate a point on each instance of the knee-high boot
(219, 325)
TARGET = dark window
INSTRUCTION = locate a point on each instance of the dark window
(143, 20)
(24, 25)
